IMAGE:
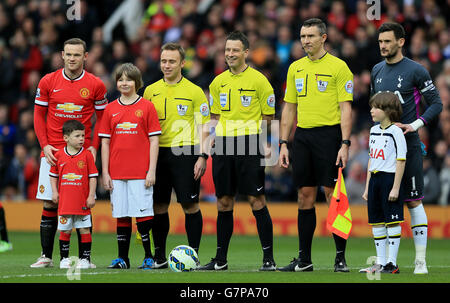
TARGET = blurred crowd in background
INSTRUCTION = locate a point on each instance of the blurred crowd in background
(32, 34)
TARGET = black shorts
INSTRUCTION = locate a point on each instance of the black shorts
(412, 181)
(238, 166)
(314, 153)
(380, 209)
(177, 172)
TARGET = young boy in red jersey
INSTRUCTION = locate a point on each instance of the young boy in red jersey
(130, 143)
(74, 181)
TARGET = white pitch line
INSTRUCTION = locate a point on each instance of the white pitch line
(57, 275)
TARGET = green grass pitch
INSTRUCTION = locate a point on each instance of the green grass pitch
(244, 259)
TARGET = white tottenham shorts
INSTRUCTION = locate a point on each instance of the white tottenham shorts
(130, 198)
(67, 222)
(44, 191)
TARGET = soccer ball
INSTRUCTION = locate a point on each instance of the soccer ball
(183, 258)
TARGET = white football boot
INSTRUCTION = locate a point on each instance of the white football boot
(85, 264)
(65, 263)
(421, 267)
(42, 262)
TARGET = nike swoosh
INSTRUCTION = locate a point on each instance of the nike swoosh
(192, 197)
(224, 85)
(84, 219)
(297, 268)
(154, 95)
(217, 267)
(264, 248)
(115, 114)
(62, 164)
(56, 90)
(259, 188)
(142, 209)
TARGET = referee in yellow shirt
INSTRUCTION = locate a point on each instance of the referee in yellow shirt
(183, 113)
(319, 90)
(240, 98)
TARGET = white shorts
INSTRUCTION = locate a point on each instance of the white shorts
(130, 198)
(44, 191)
(68, 222)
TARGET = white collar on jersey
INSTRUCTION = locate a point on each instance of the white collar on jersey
(67, 152)
(76, 79)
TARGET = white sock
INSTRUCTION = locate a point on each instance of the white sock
(419, 227)
(379, 237)
(394, 234)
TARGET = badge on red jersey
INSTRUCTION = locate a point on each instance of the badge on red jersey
(84, 92)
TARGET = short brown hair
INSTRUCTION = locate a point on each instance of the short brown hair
(389, 103)
(72, 125)
(239, 36)
(132, 72)
(174, 47)
(76, 41)
(316, 22)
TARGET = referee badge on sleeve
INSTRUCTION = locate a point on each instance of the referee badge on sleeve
(204, 109)
(223, 99)
(299, 84)
(349, 87)
(271, 100)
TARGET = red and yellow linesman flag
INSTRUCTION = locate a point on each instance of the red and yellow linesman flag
(339, 219)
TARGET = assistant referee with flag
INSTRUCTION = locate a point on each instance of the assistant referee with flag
(319, 89)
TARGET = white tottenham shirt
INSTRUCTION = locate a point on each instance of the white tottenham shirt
(386, 146)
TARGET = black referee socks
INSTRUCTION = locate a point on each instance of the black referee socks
(265, 231)
(193, 224)
(306, 224)
(224, 232)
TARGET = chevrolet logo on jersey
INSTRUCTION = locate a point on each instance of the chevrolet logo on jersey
(69, 107)
(72, 177)
(126, 125)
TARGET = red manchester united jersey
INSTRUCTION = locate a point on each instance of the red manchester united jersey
(73, 173)
(59, 99)
(129, 128)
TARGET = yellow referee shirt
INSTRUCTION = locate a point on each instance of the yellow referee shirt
(240, 100)
(180, 108)
(318, 87)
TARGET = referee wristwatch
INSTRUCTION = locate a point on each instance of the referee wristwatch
(281, 142)
(204, 155)
(347, 142)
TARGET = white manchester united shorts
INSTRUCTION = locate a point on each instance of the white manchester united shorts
(67, 222)
(130, 198)
(44, 191)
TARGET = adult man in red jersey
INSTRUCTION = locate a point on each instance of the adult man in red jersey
(68, 93)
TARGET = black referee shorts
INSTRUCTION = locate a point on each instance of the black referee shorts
(380, 209)
(176, 172)
(238, 166)
(314, 153)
